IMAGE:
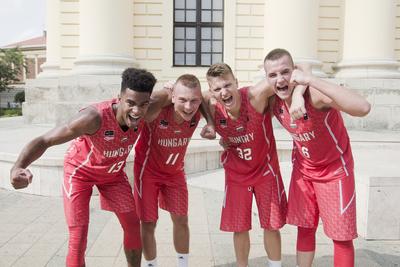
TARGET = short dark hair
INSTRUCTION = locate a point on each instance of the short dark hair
(138, 80)
(218, 70)
(189, 81)
(277, 53)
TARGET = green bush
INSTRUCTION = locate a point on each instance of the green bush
(10, 112)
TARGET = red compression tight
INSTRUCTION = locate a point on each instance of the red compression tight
(343, 253)
(306, 239)
(77, 246)
(131, 225)
(78, 238)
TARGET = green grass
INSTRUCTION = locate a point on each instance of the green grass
(10, 112)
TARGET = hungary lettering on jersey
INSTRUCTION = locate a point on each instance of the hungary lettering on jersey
(303, 137)
(173, 142)
(119, 152)
(241, 139)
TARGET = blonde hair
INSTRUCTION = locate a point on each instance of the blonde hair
(189, 81)
(219, 69)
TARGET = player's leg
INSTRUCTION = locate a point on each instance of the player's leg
(241, 242)
(303, 212)
(337, 202)
(236, 218)
(117, 197)
(272, 207)
(305, 246)
(272, 245)
(77, 245)
(132, 243)
(76, 209)
(174, 199)
(343, 253)
(147, 209)
(181, 237)
(149, 242)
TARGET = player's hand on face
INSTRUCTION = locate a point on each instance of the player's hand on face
(20, 178)
(300, 75)
(208, 132)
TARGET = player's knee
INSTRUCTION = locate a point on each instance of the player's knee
(148, 227)
(306, 239)
(180, 221)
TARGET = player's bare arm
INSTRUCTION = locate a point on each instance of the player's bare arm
(259, 95)
(85, 122)
(158, 100)
(325, 94)
(208, 130)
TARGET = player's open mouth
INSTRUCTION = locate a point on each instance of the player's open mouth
(134, 119)
(282, 89)
(228, 101)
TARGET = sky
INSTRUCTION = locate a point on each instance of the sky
(21, 20)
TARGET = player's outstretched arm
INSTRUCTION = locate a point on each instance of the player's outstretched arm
(158, 100)
(327, 94)
(259, 95)
(85, 122)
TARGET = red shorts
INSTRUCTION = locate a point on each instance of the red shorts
(271, 203)
(333, 201)
(151, 193)
(115, 195)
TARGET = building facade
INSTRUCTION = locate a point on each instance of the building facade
(89, 43)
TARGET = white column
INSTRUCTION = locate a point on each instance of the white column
(106, 37)
(293, 25)
(369, 40)
(51, 68)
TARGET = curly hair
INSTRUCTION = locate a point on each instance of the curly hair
(138, 80)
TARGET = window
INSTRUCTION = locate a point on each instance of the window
(198, 32)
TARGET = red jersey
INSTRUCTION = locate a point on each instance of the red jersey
(102, 154)
(321, 147)
(161, 148)
(252, 151)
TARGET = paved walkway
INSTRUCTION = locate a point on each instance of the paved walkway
(33, 233)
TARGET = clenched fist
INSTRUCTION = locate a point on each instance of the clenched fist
(20, 178)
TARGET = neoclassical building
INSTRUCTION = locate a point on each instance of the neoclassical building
(351, 42)
(89, 43)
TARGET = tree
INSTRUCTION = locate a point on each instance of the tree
(19, 97)
(11, 66)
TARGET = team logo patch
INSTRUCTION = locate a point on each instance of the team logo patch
(163, 124)
(240, 128)
(109, 135)
(223, 123)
